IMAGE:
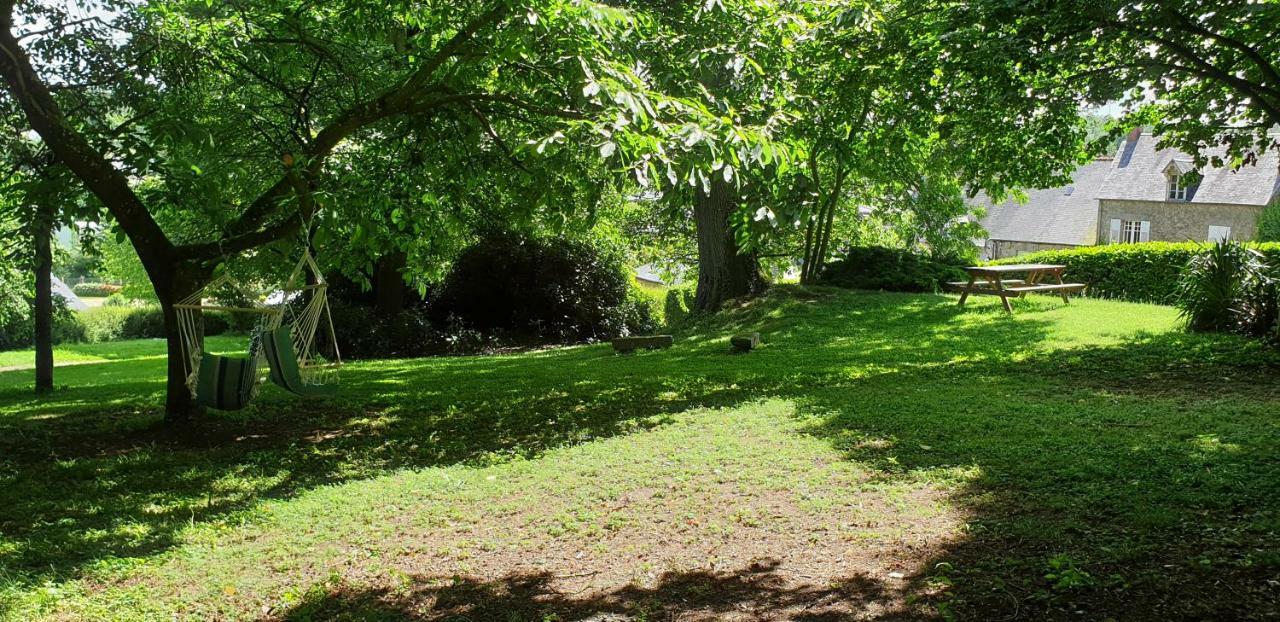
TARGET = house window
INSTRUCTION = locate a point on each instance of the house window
(1218, 233)
(1130, 231)
(1178, 187)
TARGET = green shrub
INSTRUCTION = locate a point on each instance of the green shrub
(890, 269)
(67, 327)
(17, 321)
(679, 304)
(1147, 272)
(1230, 287)
(104, 323)
(1269, 223)
(640, 312)
(144, 323)
(117, 323)
(119, 300)
(547, 289)
(1213, 284)
(16, 327)
(95, 290)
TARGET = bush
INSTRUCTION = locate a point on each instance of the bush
(1147, 272)
(117, 323)
(67, 327)
(363, 334)
(1230, 287)
(17, 320)
(679, 304)
(547, 289)
(95, 290)
(16, 328)
(119, 300)
(890, 269)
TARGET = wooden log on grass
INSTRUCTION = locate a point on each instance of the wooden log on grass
(647, 342)
(744, 343)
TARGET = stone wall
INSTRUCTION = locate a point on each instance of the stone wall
(1000, 249)
(1173, 221)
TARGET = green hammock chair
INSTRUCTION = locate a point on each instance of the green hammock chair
(230, 383)
(226, 382)
(286, 373)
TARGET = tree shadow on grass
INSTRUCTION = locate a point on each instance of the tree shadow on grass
(80, 483)
(1138, 481)
(83, 484)
(756, 592)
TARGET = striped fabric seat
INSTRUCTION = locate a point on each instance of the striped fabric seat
(277, 346)
(226, 383)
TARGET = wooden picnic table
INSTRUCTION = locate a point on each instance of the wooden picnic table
(995, 281)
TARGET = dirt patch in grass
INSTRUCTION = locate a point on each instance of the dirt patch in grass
(746, 556)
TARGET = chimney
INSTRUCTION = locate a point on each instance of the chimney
(1127, 149)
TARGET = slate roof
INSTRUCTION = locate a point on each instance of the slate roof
(1139, 175)
(1063, 215)
(1069, 214)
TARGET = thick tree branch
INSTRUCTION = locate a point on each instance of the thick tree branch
(101, 178)
(393, 101)
(1208, 70)
(1250, 52)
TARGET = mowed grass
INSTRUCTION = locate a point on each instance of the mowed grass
(80, 353)
(881, 456)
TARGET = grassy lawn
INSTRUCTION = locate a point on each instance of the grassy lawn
(881, 456)
(80, 353)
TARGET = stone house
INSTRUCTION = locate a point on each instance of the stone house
(1142, 194)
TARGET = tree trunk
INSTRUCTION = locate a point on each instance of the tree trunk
(44, 296)
(180, 282)
(388, 285)
(724, 271)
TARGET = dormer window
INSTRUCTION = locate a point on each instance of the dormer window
(1177, 189)
(1182, 180)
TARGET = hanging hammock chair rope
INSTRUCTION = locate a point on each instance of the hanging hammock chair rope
(313, 369)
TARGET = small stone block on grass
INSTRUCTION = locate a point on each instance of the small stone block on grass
(744, 343)
(648, 342)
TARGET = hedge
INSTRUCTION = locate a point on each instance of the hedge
(1146, 272)
(94, 290)
(118, 323)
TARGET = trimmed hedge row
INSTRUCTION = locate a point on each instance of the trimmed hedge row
(119, 323)
(94, 290)
(1146, 272)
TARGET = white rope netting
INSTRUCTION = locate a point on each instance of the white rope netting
(305, 322)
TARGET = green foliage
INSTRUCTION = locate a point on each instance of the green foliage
(16, 327)
(120, 263)
(95, 290)
(679, 303)
(1229, 287)
(115, 323)
(1147, 272)
(363, 334)
(547, 288)
(1269, 223)
(890, 269)
(17, 320)
(1210, 68)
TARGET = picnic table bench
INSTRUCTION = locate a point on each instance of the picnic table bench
(993, 281)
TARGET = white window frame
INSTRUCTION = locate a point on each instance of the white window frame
(1130, 231)
(1222, 232)
(1177, 191)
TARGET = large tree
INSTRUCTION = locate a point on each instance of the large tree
(242, 109)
